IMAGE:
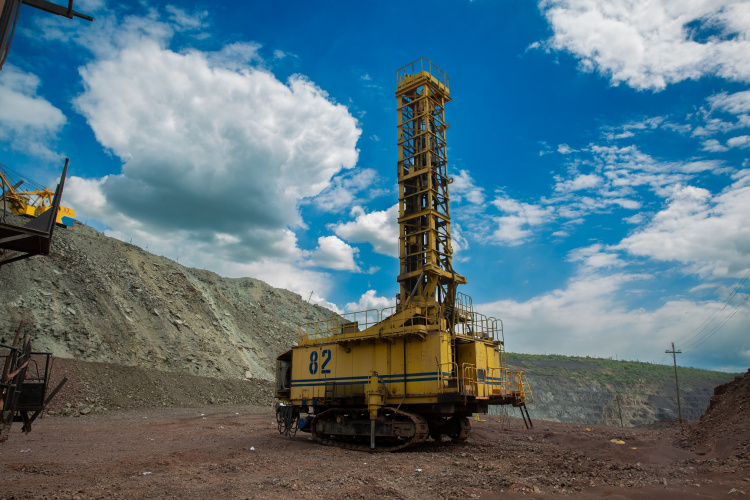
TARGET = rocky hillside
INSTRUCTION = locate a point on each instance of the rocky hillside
(587, 390)
(96, 298)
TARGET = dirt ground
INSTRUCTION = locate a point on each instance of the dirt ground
(125, 432)
(236, 452)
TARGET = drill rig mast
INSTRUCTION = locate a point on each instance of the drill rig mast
(426, 272)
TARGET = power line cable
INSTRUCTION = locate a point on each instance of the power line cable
(713, 332)
(710, 319)
(696, 335)
(14, 177)
(708, 333)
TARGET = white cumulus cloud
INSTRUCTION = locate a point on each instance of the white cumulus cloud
(714, 146)
(578, 183)
(349, 188)
(649, 44)
(736, 103)
(370, 300)
(464, 188)
(379, 228)
(742, 141)
(707, 233)
(208, 146)
(518, 222)
(586, 317)
(28, 122)
(80, 192)
(595, 257)
(334, 253)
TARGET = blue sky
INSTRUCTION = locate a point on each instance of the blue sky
(599, 151)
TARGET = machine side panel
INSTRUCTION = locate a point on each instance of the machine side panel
(335, 373)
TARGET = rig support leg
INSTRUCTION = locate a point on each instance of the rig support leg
(524, 409)
(375, 401)
(523, 416)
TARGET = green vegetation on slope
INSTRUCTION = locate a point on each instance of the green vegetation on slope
(609, 370)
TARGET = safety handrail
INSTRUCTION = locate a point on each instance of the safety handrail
(476, 325)
(419, 66)
(520, 388)
(347, 323)
(409, 317)
(469, 382)
(453, 375)
(499, 377)
(422, 317)
(527, 390)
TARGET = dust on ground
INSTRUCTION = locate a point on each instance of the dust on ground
(159, 446)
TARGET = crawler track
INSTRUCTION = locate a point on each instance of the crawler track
(350, 429)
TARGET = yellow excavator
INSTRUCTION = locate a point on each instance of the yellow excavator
(33, 202)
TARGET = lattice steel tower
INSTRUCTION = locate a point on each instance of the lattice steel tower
(426, 273)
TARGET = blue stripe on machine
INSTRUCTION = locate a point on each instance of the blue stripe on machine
(332, 379)
(322, 382)
(409, 375)
(388, 379)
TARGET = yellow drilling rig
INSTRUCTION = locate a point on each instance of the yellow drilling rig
(32, 202)
(385, 380)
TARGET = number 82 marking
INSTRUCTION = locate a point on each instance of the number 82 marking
(326, 355)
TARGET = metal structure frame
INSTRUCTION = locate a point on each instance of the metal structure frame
(425, 251)
(10, 10)
(24, 381)
(34, 238)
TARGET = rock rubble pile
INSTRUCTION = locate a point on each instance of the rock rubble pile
(724, 430)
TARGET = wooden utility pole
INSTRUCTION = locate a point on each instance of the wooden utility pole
(619, 410)
(677, 386)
